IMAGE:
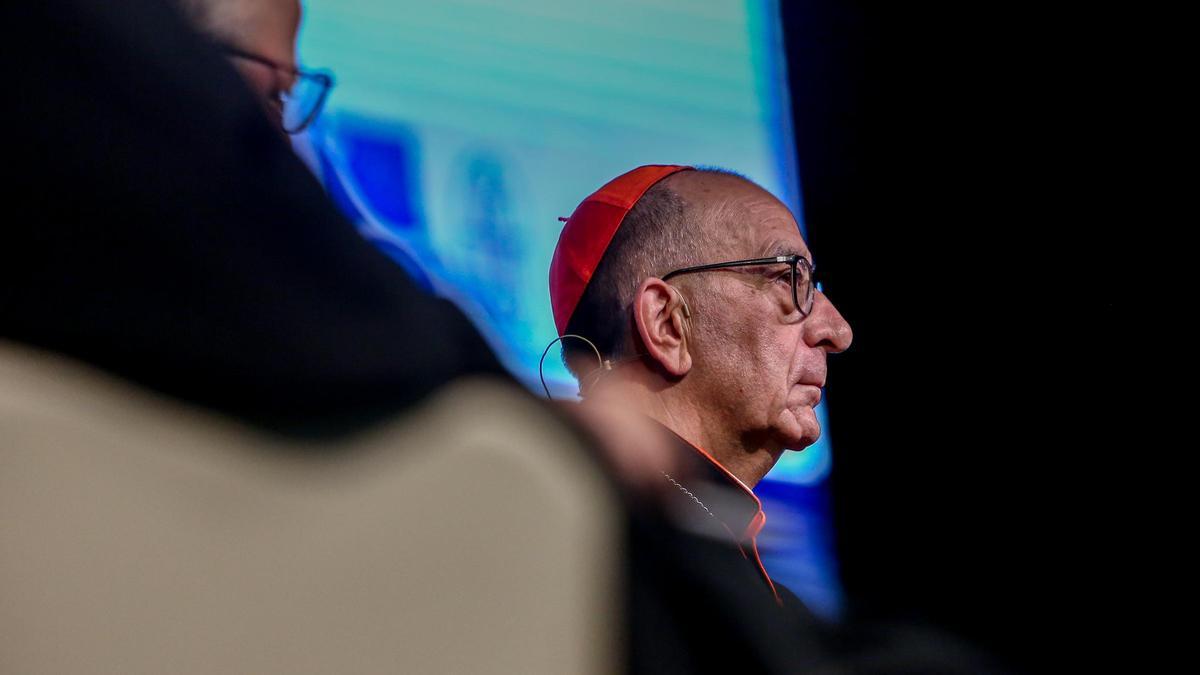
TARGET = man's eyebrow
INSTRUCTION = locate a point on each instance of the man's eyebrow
(782, 249)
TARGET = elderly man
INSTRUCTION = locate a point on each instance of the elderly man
(696, 290)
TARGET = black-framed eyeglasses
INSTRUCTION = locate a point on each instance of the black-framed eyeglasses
(304, 94)
(800, 272)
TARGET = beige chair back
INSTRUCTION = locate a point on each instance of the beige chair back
(141, 535)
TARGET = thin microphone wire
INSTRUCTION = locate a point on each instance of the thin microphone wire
(604, 364)
(542, 361)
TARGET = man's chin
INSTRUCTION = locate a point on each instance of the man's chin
(800, 430)
(801, 443)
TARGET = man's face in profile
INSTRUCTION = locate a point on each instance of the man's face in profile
(760, 361)
(266, 29)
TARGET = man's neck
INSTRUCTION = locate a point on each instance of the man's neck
(741, 455)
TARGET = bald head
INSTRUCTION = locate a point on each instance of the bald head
(721, 202)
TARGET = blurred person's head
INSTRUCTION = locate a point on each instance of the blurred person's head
(259, 36)
(727, 356)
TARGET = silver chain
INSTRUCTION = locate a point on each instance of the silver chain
(688, 493)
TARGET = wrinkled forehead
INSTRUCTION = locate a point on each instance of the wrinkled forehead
(740, 219)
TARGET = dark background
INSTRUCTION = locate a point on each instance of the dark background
(938, 183)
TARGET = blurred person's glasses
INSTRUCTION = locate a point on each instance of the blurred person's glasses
(301, 93)
(798, 273)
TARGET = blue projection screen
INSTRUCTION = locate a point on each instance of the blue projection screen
(460, 131)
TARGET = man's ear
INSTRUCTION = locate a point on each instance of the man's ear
(660, 315)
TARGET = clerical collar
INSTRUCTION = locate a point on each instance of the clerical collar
(714, 502)
(716, 490)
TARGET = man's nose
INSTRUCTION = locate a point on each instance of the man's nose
(825, 327)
